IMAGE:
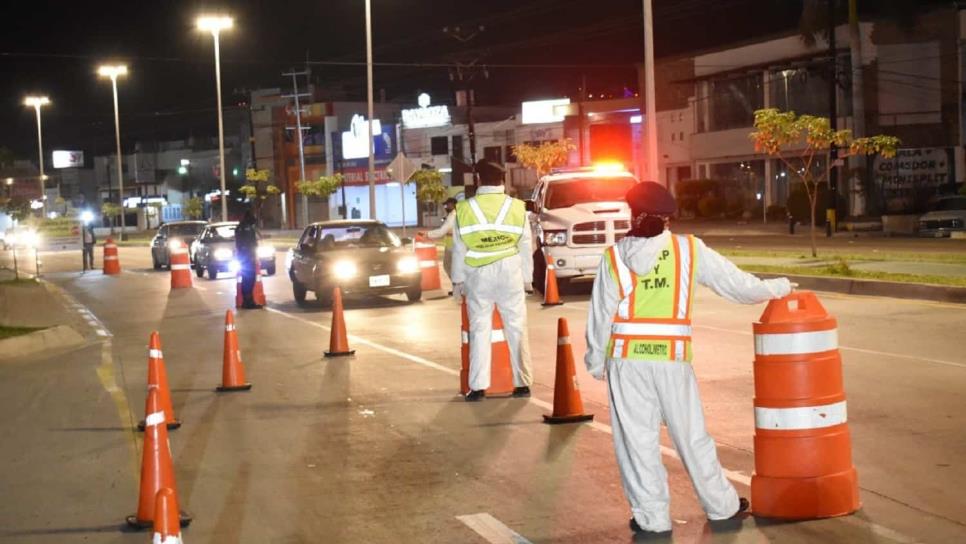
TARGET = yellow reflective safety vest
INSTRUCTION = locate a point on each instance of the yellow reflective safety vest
(490, 226)
(653, 321)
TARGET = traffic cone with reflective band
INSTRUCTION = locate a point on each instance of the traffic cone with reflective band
(338, 339)
(551, 296)
(158, 377)
(803, 449)
(167, 524)
(568, 407)
(157, 469)
(232, 370)
(258, 291)
(501, 372)
(112, 264)
(180, 267)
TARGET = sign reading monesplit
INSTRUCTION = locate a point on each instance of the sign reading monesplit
(426, 116)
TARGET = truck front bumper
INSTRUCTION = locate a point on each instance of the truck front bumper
(571, 262)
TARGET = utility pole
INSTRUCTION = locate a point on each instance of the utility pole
(858, 106)
(833, 152)
(298, 129)
(650, 117)
(464, 75)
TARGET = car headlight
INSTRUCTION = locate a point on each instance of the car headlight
(408, 265)
(234, 266)
(344, 270)
(554, 237)
(266, 251)
(223, 254)
(289, 257)
(175, 244)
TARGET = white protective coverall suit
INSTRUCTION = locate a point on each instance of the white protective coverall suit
(502, 284)
(643, 393)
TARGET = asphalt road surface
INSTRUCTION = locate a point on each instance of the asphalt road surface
(380, 447)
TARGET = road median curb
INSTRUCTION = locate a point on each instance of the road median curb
(894, 289)
(54, 338)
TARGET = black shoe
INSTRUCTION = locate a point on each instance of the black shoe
(743, 505)
(521, 392)
(475, 396)
(641, 531)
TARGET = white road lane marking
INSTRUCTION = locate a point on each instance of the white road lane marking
(733, 475)
(492, 529)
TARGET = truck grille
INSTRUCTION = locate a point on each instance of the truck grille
(590, 239)
(593, 225)
(622, 224)
(596, 233)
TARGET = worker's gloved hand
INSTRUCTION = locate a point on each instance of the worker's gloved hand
(598, 373)
(459, 291)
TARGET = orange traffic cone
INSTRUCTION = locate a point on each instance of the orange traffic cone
(112, 264)
(180, 267)
(157, 469)
(232, 370)
(338, 340)
(464, 349)
(258, 291)
(551, 296)
(158, 377)
(167, 525)
(567, 404)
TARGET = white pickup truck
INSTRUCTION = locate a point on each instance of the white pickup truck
(575, 215)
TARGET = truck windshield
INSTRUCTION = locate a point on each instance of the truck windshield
(563, 194)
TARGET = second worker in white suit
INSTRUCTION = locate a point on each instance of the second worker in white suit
(492, 267)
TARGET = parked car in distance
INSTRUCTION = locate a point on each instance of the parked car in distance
(358, 256)
(947, 216)
(171, 235)
(214, 251)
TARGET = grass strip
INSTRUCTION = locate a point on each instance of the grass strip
(872, 256)
(10, 332)
(840, 271)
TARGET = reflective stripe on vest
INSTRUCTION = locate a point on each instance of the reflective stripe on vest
(486, 240)
(653, 320)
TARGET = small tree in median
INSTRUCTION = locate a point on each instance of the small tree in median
(194, 208)
(429, 185)
(543, 157)
(258, 189)
(804, 138)
(111, 211)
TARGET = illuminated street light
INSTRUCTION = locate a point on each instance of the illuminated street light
(113, 71)
(215, 24)
(37, 102)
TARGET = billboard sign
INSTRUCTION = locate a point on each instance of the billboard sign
(68, 159)
(544, 111)
(426, 116)
(355, 144)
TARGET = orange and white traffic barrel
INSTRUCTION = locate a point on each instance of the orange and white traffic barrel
(501, 372)
(428, 256)
(180, 267)
(803, 449)
(112, 264)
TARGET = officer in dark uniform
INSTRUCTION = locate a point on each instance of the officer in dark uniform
(246, 245)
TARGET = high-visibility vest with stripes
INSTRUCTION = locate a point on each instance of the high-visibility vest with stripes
(490, 226)
(653, 321)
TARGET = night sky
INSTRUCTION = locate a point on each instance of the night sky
(54, 47)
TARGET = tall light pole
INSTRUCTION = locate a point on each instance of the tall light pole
(215, 24)
(372, 157)
(38, 102)
(113, 71)
(650, 117)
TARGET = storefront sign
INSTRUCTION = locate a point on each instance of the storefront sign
(544, 111)
(426, 116)
(68, 159)
(355, 141)
(912, 176)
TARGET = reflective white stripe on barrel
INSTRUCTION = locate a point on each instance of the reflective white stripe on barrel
(427, 264)
(563, 341)
(158, 539)
(156, 418)
(155, 353)
(806, 417)
(179, 251)
(110, 257)
(465, 336)
(651, 329)
(110, 246)
(180, 266)
(796, 343)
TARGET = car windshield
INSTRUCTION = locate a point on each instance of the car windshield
(224, 232)
(563, 194)
(185, 229)
(347, 236)
(951, 204)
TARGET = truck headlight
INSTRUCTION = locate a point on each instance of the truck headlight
(408, 265)
(266, 251)
(344, 270)
(223, 254)
(554, 237)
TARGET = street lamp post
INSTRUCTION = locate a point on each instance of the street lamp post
(113, 71)
(372, 158)
(38, 102)
(215, 24)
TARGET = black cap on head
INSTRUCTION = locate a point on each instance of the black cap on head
(490, 172)
(651, 198)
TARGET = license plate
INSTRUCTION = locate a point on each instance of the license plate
(379, 281)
